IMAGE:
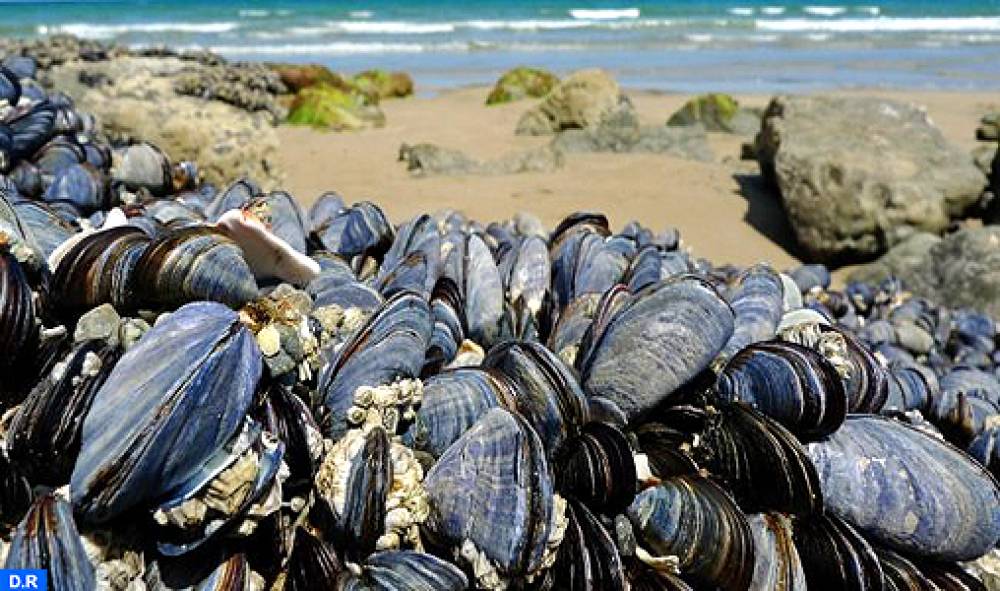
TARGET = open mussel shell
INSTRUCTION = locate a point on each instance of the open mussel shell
(18, 326)
(908, 491)
(170, 404)
(389, 347)
(761, 462)
(191, 264)
(361, 229)
(97, 269)
(757, 300)
(47, 539)
(453, 401)
(665, 337)
(834, 556)
(597, 467)
(790, 383)
(547, 393)
(45, 432)
(777, 563)
(506, 508)
(588, 559)
(693, 519)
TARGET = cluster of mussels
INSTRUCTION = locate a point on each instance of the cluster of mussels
(212, 389)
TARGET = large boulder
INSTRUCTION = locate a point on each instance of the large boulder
(432, 160)
(904, 260)
(134, 98)
(716, 112)
(859, 175)
(336, 109)
(520, 83)
(580, 101)
(962, 269)
(384, 84)
(620, 131)
(295, 77)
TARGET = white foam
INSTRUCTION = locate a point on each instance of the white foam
(824, 10)
(765, 38)
(772, 10)
(96, 31)
(528, 25)
(741, 11)
(392, 27)
(361, 14)
(604, 14)
(872, 10)
(337, 48)
(699, 38)
(884, 24)
(254, 13)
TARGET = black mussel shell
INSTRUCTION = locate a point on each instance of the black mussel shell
(836, 557)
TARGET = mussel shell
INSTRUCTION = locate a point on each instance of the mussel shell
(361, 229)
(235, 196)
(506, 503)
(868, 384)
(60, 153)
(810, 277)
(588, 559)
(171, 402)
(10, 87)
(47, 539)
(420, 237)
(453, 401)
(668, 335)
(662, 446)
(757, 300)
(695, 520)
(836, 557)
(282, 215)
(483, 293)
(907, 490)
(777, 563)
(191, 264)
(597, 468)
(952, 578)
(47, 227)
(143, 166)
(450, 327)
(390, 346)
(367, 490)
(530, 273)
(15, 493)
(312, 564)
(80, 185)
(325, 208)
(790, 383)
(405, 570)
(760, 462)
(98, 270)
(547, 393)
(286, 416)
(967, 399)
(901, 574)
(45, 433)
(18, 326)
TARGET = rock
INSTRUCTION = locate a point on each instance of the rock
(859, 175)
(58, 49)
(717, 112)
(578, 102)
(521, 83)
(295, 77)
(902, 260)
(620, 131)
(963, 269)
(995, 175)
(989, 128)
(100, 323)
(383, 84)
(329, 107)
(983, 155)
(136, 101)
(252, 87)
(430, 160)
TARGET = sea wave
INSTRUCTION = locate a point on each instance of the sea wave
(772, 10)
(741, 10)
(254, 13)
(97, 31)
(604, 13)
(884, 24)
(361, 14)
(824, 10)
(392, 27)
(872, 10)
(348, 48)
(526, 25)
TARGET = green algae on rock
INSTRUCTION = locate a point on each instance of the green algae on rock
(383, 84)
(328, 107)
(717, 112)
(522, 82)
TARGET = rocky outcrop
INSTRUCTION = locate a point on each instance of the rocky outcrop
(521, 83)
(620, 131)
(383, 84)
(860, 175)
(962, 268)
(903, 260)
(134, 98)
(248, 86)
(335, 109)
(59, 49)
(431, 160)
(295, 77)
(578, 102)
(989, 128)
(717, 112)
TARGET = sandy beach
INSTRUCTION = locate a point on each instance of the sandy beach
(722, 209)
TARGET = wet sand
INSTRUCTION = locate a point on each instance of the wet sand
(723, 210)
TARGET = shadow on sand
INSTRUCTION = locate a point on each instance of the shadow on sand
(765, 213)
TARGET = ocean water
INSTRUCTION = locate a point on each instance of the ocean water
(672, 45)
